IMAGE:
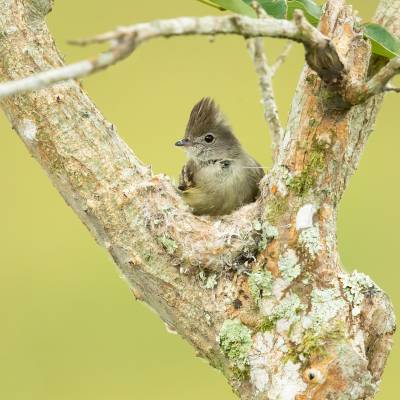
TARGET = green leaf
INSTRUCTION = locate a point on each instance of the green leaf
(237, 6)
(274, 8)
(383, 42)
(312, 11)
(210, 3)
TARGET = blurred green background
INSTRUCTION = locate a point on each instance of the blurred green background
(70, 328)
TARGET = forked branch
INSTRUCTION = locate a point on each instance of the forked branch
(379, 83)
(321, 54)
(265, 74)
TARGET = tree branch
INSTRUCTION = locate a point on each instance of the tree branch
(281, 58)
(320, 52)
(391, 89)
(378, 83)
(264, 72)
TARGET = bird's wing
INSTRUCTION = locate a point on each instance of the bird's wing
(186, 179)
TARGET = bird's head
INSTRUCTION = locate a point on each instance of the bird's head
(208, 135)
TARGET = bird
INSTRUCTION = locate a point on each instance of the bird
(219, 175)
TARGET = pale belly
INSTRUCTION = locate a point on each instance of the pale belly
(220, 190)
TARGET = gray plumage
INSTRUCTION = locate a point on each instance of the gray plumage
(219, 175)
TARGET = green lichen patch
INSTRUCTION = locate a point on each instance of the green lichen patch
(276, 208)
(235, 342)
(268, 323)
(208, 281)
(241, 374)
(355, 287)
(266, 232)
(311, 78)
(169, 244)
(326, 305)
(42, 7)
(315, 345)
(260, 285)
(310, 240)
(288, 265)
(288, 309)
(257, 225)
(306, 180)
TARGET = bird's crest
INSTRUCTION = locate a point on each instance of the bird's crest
(205, 117)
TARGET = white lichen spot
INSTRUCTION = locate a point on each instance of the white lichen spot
(305, 215)
(211, 282)
(359, 342)
(306, 322)
(272, 377)
(228, 293)
(287, 312)
(257, 225)
(310, 239)
(355, 287)
(278, 287)
(266, 306)
(326, 304)
(281, 345)
(265, 358)
(258, 361)
(296, 332)
(288, 265)
(11, 29)
(208, 281)
(289, 307)
(259, 379)
(270, 231)
(280, 178)
(127, 173)
(27, 129)
(287, 383)
(283, 326)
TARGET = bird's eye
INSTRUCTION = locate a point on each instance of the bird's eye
(209, 138)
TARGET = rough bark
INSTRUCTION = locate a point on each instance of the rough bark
(261, 294)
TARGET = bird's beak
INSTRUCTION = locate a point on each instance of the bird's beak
(183, 142)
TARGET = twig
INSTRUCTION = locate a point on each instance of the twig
(281, 58)
(379, 81)
(72, 71)
(391, 89)
(256, 50)
(377, 84)
(126, 39)
(264, 72)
